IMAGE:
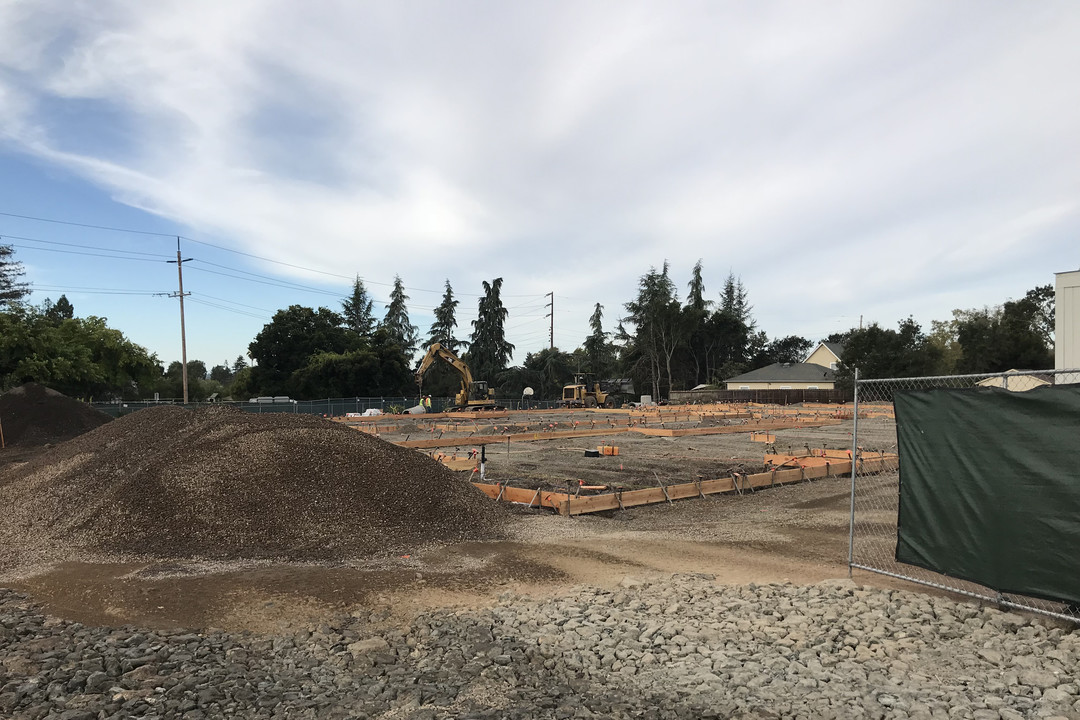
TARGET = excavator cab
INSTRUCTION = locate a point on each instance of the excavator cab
(478, 390)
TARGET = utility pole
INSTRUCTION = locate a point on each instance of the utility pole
(183, 337)
(552, 316)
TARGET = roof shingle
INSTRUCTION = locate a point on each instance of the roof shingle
(787, 372)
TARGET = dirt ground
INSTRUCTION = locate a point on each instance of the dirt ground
(797, 533)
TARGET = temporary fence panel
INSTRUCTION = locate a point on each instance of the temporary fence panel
(982, 492)
(984, 499)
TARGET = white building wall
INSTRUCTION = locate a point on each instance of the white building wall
(1067, 321)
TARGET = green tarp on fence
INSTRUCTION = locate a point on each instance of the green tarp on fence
(990, 487)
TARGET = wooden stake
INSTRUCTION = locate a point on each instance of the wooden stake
(661, 484)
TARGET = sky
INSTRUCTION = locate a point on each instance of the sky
(846, 160)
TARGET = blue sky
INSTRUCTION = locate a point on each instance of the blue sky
(845, 159)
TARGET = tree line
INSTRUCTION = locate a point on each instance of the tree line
(1016, 335)
(655, 341)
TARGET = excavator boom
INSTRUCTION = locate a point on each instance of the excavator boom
(474, 394)
(438, 352)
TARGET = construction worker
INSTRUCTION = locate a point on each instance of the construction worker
(427, 403)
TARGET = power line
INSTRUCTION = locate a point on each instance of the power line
(226, 308)
(84, 247)
(521, 325)
(237, 252)
(285, 284)
(350, 278)
(272, 283)
(76, 252)
(528, 306)
(233, 302)
(88, 225)
(92, 290)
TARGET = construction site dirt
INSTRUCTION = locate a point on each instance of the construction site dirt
(797, 532)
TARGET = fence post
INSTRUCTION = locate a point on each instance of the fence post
(854, 461)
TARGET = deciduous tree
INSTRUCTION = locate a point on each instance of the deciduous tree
(80, 357)
(290, 339)
(790, 349)
(882, 353)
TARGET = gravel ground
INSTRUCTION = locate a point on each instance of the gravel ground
(683, 648)
(643, 460)
(33, 415)
(224, 484)
(652, 646)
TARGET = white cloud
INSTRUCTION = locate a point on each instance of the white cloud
(843, 158)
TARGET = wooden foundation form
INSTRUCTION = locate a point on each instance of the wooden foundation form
(569, 504)
(749, 426)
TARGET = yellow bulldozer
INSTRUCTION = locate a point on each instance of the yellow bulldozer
(585, 392)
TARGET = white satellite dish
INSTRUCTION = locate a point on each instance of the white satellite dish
(527, 392)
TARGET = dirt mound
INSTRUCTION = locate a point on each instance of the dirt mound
(224, 484)
(33, 414)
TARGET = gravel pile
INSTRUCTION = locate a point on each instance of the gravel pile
(681, 649)
(33, 414)
(223, 484)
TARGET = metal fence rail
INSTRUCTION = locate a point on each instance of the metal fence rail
(330, 407)
(875, 496)
(770, 397)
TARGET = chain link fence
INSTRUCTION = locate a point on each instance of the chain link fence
(875, 494)
(330, 407)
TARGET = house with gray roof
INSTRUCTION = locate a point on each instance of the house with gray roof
(785, 376)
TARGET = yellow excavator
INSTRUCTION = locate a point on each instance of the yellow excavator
(474, 394)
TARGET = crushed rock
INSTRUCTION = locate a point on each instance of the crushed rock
(222, 484)
(33, 414)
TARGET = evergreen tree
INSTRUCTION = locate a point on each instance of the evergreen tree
(734, 301)
(489, 352)
(696, 316)
(396, 323)
(62, 309)
(442, 330)
(357, 310)
(12, 289)
(696, 297)
(658, 326)
(597, 350)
